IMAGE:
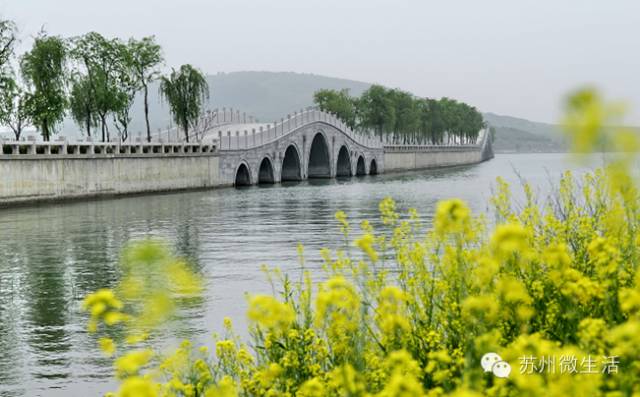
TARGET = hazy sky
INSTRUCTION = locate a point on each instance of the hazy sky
(509, 57)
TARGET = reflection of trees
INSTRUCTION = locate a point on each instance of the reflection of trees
(55, 255)
(187, 244)
(11, 360)
(52, 256)
(47, 298)
(93, 255)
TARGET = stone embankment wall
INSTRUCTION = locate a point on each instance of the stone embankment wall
(403, 158)
(407, 158)
(41, 172)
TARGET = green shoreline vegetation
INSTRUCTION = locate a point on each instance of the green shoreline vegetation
(413, 310)
(402, 117)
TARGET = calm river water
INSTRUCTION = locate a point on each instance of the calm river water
(51, 256)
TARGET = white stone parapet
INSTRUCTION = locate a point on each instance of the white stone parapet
(267, 133)
(31, 149)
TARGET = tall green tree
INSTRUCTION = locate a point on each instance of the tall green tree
(100, 60)
(8, 39)
(82, 104)
(6, 98)
(20, 114)
(7, 81)
(376, 110)
(407, 116)
(14, 111)
(431, 123)
(186, 90)
(128, 83)
(339, 103)
(43, 69)
(146, 58)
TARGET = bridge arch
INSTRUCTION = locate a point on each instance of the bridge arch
(373, 167)
(243, 175)
(265, 172)
(360, 167)
(291, 169)
(343, 166)
(319, 158)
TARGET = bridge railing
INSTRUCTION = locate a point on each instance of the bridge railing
(480, 142)
(266, 133)
(10, 149)
(211, 119)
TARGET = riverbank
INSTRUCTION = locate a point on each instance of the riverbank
(46, 172)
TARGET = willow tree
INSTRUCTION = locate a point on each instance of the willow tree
(376, 110)
(7, 82)
(338, 103)
(407, 116)
(127, 85)
(146, 58)
(43, 69)
(99, 61)
(14, 107)
(82, 103)
(8, 38)
(186, 91)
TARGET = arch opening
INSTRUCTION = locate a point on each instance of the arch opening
(243, 178)
(291, 165)
(360, 168)
(373, 167)
(265, 174)
(343, 167)
(319, 161)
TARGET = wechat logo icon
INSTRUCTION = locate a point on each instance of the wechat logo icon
(491, 362)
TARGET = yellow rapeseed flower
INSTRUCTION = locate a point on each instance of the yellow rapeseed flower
(400, 385)
(341, 217)
(137, 387)
(228, 325)
(107, 346)
(365, 243)
(388, 211)
(510, 238)
(312, 388)
(130, 363)
(270, 313)
(452, 216)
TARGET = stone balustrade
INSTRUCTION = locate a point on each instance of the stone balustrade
(22, 149)
(267, 133)
(480, 144)
(211, 119)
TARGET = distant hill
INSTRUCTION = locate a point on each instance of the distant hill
(271, 95)
(519, 135)
(515, 140)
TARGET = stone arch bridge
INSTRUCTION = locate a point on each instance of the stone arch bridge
(309, 144)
